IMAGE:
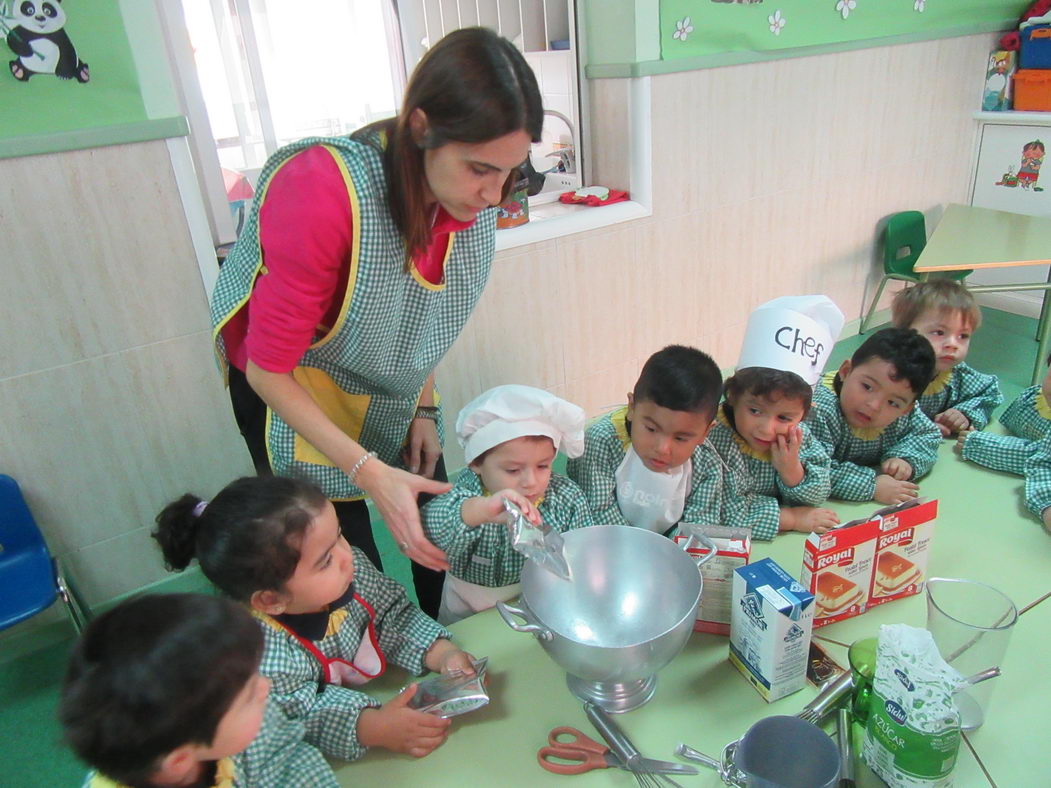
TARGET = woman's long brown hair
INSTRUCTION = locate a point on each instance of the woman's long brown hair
(473, 86)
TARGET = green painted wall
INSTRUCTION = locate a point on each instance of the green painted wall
(639, 37)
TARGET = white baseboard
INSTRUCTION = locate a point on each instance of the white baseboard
(1025, 304)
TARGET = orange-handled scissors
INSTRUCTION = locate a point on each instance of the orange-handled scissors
(581, 753)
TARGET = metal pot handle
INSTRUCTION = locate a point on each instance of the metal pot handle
(506, 612)
(707, 543)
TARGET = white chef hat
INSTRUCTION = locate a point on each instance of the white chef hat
(512, 411)
(793, 334)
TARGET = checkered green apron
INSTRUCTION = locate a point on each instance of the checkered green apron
(367, 372)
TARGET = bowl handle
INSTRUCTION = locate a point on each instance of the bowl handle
(706, 543)
(506, 612)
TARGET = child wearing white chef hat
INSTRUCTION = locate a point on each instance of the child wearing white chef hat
(778, 474)
(647, 464)
(510, 436)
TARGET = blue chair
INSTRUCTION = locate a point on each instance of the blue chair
(30, 579)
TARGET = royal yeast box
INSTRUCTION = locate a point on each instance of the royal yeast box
(770, 625)
(732, 548)
(869, 561)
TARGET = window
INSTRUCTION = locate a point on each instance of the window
(265, 74)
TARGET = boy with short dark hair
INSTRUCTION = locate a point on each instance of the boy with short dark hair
(865, 416)
(165, 690)
(646, 464)
(944, 312)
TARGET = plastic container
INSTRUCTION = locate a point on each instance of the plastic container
(1036, 47)
(1032, 90)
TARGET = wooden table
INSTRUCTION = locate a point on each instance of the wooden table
(972, 238)
(982, 534)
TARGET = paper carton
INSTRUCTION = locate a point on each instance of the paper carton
(869, 561)
(733, 546)
(770, 624)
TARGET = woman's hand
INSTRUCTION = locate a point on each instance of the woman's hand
(422, 449)
(394, 492)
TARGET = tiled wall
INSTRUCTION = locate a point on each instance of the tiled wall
(110, 403)
(768, 179)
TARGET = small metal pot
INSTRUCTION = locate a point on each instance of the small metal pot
(626, 613)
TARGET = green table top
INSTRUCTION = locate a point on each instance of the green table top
(983, 533)
(971, 237)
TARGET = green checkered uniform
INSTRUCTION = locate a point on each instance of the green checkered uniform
(484, 555)
(1038, 476)
(751, 478)
(330, 712)
(367, 373)
(1029, 418)
(971, 392)
(277, 758)
(913, 437)
(605, 443)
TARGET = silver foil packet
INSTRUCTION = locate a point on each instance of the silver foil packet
(539, 543)
(452, 694)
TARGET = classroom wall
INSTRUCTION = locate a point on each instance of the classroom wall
(768, 179)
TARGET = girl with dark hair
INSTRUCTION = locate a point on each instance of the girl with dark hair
(330, 620)
(359, 264)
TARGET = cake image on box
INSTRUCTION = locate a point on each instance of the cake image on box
(835, 594)
(893, 573)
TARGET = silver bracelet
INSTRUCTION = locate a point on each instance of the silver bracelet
(364, 458)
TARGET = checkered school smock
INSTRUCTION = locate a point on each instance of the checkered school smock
(394, 326)
(330, 712)
(752, 479)
(484, 555)
(1029, 418)
(913, 437)
(277, 758)
(1038, 476)
(971, 392)
(606, 442)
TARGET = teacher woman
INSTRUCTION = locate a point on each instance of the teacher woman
(356, 270)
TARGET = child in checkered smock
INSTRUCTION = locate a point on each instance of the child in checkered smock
(647, 464)
(330, 620)
(1038, 480)
(1028, 418)
(943, 311)
(510, 435)
(776, 471)
(165, 690)
(865, 416)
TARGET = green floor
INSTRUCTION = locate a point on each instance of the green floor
(34, 755)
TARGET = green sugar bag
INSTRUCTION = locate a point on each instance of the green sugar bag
(913, 731)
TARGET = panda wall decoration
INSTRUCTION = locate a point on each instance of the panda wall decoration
(35, 33)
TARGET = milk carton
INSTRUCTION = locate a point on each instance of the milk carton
(770, 624)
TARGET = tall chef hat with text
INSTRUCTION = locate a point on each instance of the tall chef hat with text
(512, 411)
(793, 334)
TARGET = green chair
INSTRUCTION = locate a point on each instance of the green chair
(903, 239)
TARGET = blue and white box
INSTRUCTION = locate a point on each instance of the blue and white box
(771, 618)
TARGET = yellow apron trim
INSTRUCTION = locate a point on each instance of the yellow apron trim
(335, 621)
(355, 248)
(828, 380)
(345, 410)
(224, 776)
(420, 280)
(941, 380)
(260, 270)
(742, 444)
(1042, 406)
(619, 419)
